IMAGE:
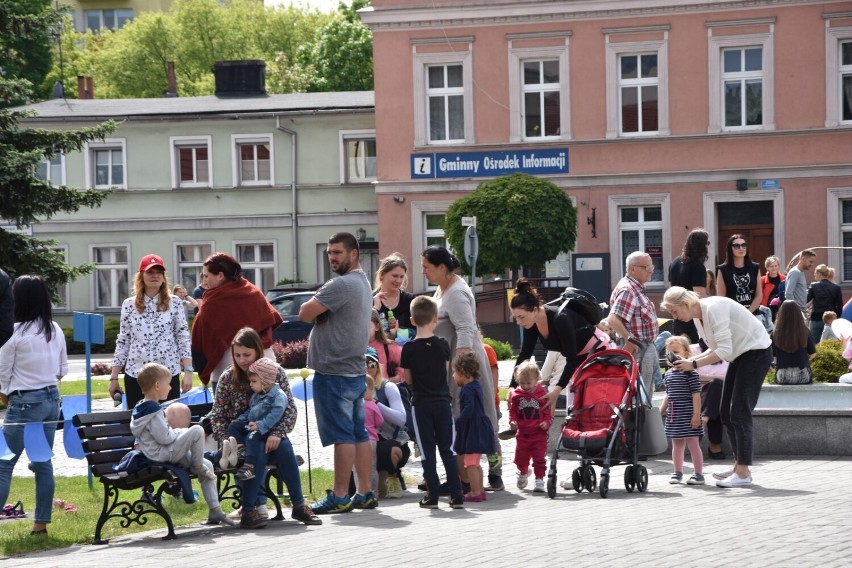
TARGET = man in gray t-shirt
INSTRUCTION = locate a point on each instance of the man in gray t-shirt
(796, 286)
(341, 313)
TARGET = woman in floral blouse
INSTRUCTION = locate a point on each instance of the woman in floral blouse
(152, 329)
(232, 399)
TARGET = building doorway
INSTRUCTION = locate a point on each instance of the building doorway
(754, 220)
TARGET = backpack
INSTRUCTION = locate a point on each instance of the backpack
(381, 396)
(582, 303)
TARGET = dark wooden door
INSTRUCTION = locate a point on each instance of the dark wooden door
(754, 221)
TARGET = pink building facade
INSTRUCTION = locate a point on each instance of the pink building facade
(732, 116)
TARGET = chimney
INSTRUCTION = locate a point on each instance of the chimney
(85, 88)
(240, 78)
(90, 88)
(171, 89)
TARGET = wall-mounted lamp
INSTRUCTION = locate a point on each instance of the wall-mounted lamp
(399, 198)
(361, 234)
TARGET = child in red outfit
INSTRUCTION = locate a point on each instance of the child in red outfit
(531, 417)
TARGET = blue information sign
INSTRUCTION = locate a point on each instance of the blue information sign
(489, 164)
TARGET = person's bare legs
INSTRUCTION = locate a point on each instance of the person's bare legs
(363, 457)
(344, 459)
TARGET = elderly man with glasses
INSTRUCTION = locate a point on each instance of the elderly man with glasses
(633, 317)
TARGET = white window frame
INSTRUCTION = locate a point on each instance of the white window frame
(257, 264)
(638, 84)
(65, 290)
(89, 163)
(177, 143)
(833, 85)
(834, 226)
(615, 203)
(422, 61)
(419, 210)
(236, 141)
(102, 25)
(116, 298)
(347, 136)
(517, 57)
(613, 88)
(716, 82)
(742, 77)
(190, 263)
(61, 157)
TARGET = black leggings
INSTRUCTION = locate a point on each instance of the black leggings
(711, 399)
(739, 397)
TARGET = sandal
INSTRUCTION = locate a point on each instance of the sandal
(15, 511)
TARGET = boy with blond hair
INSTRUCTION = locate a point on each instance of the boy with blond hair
(161, 443)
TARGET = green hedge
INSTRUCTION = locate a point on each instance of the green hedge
(828, 363)
(502, 348)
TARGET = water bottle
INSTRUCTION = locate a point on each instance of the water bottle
(384, 322)
(391, 318)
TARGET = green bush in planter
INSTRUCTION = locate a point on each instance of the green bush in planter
(502, 348)
(828, 363)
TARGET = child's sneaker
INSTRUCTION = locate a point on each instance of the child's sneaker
(367, 501)
(471, 498)
(225, 460)
(331, 503)
(217, 516)
(305, 515)
(695, 479)
(238, 457)
(245, 473)
(523, 479)
(676, 478)
(539, 485)
(457, 502)
(428, 503)
(495, 482)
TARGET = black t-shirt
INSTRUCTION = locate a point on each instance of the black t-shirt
(402, 312)
(740, 283)
(687, 275)
(426, 359)
(797, 360)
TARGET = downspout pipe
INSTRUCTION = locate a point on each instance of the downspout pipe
(294, 223)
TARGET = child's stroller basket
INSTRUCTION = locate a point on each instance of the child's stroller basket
(601, 425)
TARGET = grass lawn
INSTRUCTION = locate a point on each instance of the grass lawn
(79, 528)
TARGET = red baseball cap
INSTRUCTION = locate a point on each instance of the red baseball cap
(149, 261)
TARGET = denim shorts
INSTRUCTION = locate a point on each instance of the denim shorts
(339, 405)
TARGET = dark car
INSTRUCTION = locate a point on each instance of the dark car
(288, 306)
(277, 291)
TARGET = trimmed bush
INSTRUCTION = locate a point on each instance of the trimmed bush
(828, 363)
(502, 348)
(293, 355)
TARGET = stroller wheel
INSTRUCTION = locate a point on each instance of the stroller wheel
(641, 475)
(551, 486)
(629, 481)
(604, 488)
(577, 480)
(590, 479)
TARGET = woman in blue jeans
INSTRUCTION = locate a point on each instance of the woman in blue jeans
(232, 399)
(732, 334)
(31, 364)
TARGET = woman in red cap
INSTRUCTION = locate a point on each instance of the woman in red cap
(152, 329)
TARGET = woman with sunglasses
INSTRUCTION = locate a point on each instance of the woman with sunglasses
(738, 278)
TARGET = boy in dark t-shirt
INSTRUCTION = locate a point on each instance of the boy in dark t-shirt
(424, 362)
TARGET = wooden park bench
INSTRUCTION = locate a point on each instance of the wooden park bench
(106, 438)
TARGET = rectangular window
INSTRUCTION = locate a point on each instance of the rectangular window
(253, 160)
(541, 98)
(51, 170)
(96, 20)
(846, 81)
(360, 156)
(258, 262)
(742, 86)
(112, 275)
(191, 165)
(105, 166)
(190, 259)
(846, 237)
(638, 93)
(445, 95)
(641, 228)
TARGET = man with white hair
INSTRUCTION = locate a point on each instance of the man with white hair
(633, 317)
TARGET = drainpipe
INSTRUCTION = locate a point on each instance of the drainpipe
(293, 204)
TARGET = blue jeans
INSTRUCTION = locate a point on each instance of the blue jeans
(339, 407)
(254, 442)
(288, 469)
(35, 406)
(739, 397)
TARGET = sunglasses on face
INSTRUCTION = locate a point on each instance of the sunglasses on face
(739, 245)
(371, 364)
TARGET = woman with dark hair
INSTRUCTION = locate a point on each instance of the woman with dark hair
(32, 362)
(792, 345)
(230, 302)
(457, 324)
(152, 329)
(232, 399)
(566, 332)
(826, 297)
(738, 278)
(389, 294)
(688, 271)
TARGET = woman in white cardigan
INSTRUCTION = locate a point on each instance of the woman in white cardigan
(732, 334)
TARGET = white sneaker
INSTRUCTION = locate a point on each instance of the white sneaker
(226, 454)
(236, 514)
(539, 485)
(522, 479)
(262, 511)
(234, 457)
(734, 481)
(567, 484)
(723, 474)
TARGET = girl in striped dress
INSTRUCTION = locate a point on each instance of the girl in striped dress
(681, 410)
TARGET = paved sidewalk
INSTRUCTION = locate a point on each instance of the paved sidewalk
(797, 515)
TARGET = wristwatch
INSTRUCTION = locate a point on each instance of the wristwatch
(188, 369)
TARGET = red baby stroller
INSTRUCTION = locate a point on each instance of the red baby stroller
(602, 425)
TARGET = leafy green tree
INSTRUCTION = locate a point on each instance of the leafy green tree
(521, 220)
(24, 199)
(31, 60)
(343, 53)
